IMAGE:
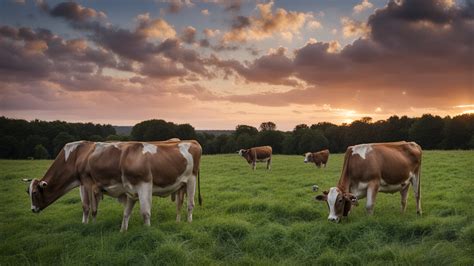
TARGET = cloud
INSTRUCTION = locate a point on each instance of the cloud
(154, 28)
(188, 35)
(351, 28)
(75, 12)
(265, 24)
(365, 4)
(314, 25)
(211, 32)
(205, 12)
(175, 6)
(419, 48)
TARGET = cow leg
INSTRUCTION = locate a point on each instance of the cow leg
(191, 189)
(415, 181)
(372, 190)
(85, 204)
(404, 197)
(269, 164)
(254, 165)
(179, 203)
(95, 204)
(127, 211)
(145, 197)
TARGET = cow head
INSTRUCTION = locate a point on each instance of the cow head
(243, 152)
(35, 190)
(339, 203)
(308, 157)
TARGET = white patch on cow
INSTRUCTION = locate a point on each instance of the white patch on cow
(306, 157)
(362, 150)
(240, 152)
(101, 146)
(332, 197)
(150, 148)
(33, 207)
(70, 147)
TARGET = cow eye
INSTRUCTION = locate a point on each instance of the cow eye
(340, 200)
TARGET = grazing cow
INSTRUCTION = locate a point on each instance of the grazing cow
(129, 171)
(372, 168)
(318, 158)
(257, 154)
(91, 195)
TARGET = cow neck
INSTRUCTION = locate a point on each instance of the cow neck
(61, 178)
(344, 182)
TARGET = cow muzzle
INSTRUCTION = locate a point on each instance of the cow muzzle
(334, 219)
(35, 210)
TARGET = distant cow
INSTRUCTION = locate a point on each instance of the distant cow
(128, 170)
(370, 168)
(257, 154)
(318, 158)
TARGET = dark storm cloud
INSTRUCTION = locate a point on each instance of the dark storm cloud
(74, 12)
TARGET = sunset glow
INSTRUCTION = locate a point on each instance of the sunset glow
(216, 64)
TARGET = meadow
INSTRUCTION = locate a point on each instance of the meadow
(249, 218)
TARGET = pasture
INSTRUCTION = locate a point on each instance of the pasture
(249, 217)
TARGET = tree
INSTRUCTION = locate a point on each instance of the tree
(185, 131)
(267, 126)
(456, 133)
(60, 140)
(9, 147)
(40, 152)
(244, 141)
(300, 127)
(311, 141)
(154, 130)
(271, 138)
(244, 129)
(427, 131)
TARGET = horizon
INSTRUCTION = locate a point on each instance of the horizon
(217, 64)
(256, 125)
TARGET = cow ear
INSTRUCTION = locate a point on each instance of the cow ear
(326, 192)
(43, 184)
(352, 199)
(321, 198)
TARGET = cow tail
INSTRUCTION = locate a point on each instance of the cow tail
(419, 179)
(199, 188)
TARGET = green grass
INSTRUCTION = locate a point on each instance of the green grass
(250, 218)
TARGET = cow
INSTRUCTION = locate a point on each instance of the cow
(131, 171)
(91, 196)
(372, 168)
(257, 154)
(318, 158)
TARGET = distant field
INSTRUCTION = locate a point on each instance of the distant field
(249, 218)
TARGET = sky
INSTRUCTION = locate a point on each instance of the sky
(215, 64)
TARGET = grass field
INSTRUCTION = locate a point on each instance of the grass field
(250, 218)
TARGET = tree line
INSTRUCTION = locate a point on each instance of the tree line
(41, 139)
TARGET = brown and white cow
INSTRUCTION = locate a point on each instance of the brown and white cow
(372, 168)
(91, 195)
(318, 158)
(257, 154)
(128, 170)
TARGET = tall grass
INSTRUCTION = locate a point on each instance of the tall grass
(249, 217)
